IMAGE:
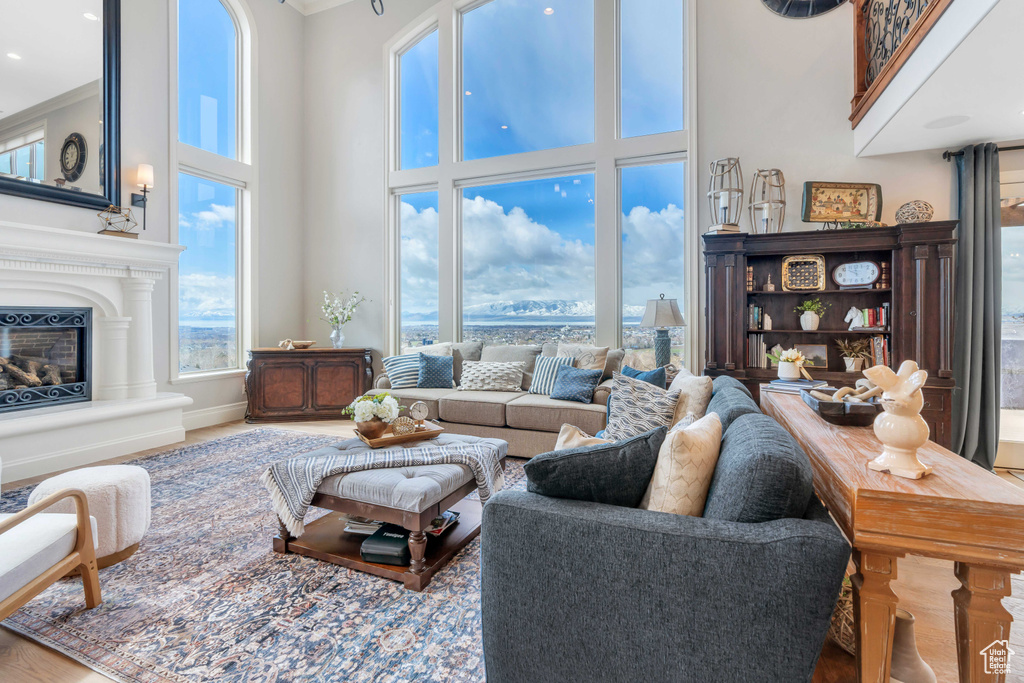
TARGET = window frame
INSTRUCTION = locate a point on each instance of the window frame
(604, 157)
(238, 173)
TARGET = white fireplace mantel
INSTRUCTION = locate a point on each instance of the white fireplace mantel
(115, 277)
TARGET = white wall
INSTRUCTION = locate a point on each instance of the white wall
(145, 138)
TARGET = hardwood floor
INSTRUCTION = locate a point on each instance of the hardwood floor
(924, 587)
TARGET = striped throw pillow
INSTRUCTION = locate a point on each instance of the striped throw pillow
(636, 407)
(403, 371)
(544, 374)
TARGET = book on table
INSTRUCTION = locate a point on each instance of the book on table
(795, 386)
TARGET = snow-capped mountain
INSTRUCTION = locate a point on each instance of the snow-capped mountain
(551, 311)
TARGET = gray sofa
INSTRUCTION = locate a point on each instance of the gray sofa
(606, 593)
(528, 422)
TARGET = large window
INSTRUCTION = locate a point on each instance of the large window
(24, 159)
(1011, 395)
(557, 197)
(214, 183)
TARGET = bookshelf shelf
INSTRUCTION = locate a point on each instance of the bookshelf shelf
(782, 331)
(822, 292)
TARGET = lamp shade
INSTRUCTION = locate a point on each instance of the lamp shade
(145, 175)
(662, 313)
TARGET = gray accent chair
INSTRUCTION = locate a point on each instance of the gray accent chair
(579, 591)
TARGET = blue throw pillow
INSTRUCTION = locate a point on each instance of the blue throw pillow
(655, 377)
(575, 384)
(436, 372)
(403, 371)
(544, 374)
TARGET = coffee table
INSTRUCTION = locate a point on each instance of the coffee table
(410, 497)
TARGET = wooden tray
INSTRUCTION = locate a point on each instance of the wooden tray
(843, 413)
(428, 430)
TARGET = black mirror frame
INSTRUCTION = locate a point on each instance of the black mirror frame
(111, 130)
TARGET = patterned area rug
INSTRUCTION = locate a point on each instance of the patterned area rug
(206, 599)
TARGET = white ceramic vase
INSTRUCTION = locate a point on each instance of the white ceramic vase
(853, 364)
(907, 665)
(789, 370)
(809, 320)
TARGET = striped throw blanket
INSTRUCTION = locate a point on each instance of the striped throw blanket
(292, 483)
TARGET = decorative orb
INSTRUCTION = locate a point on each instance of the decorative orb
(917, 211)
(403, 425)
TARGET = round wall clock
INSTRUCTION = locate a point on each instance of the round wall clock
(73, 154)
(801, 9)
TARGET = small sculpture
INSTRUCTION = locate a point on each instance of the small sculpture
(854, 317)
(901, 429)
(769, 286)
(117, 221)
(916, 211)
(286, 345)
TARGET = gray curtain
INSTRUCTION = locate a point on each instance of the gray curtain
(976, 357)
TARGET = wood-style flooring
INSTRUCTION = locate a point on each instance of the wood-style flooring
(924, 587)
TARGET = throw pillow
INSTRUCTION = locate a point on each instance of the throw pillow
(586, 357)
(442, 349)
(655, 377)
(403, 371)
(686, 463)
(436, 372)
(485, 376)
(544, 374)
(694, 396)
(636, 407)
(575, 384)
(512, 353)
(611, 473)
(574, 437)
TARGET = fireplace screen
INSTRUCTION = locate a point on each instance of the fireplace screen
(44, 356)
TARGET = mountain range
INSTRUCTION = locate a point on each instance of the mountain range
(528, 310)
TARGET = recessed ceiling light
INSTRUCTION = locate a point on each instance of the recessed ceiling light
(90, 16)
(13, 56)
(947, 122)
(504, 127)
(468, 93)
(549, 11)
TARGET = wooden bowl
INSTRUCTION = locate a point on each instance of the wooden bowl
(303, 344)
(844, 413)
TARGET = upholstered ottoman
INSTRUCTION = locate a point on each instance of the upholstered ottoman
(119, 501)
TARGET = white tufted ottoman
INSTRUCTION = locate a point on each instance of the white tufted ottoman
(119, 501)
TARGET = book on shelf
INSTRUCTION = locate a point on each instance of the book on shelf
(874, 319)
(362, 525)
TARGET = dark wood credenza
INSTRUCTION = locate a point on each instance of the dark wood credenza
(309, 384)
(921, 295)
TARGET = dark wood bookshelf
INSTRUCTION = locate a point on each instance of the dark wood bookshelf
(920, 299)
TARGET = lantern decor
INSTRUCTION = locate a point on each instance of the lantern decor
(725, 195)
(768, 201)
(118, 221)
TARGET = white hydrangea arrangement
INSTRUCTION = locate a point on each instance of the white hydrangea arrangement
(384, 406)
(788, 356)
(338, 310)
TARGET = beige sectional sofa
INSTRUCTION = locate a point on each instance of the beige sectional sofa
(528, 422)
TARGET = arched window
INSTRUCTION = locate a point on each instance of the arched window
(215, 186)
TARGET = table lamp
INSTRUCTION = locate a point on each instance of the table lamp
(662, 314)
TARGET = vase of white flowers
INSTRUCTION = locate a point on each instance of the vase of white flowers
(373, 414)
(790, 362)
(337, 311)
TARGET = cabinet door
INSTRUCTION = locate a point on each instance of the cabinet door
(335, 385)
(282, 386)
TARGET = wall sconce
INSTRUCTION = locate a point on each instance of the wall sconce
(144, 179)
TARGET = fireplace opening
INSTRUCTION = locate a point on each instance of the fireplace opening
(44, 356)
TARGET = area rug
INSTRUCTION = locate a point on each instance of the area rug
(206, 599)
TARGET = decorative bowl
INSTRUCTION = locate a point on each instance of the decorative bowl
(303, 344)
(916, 211)
(843, 413)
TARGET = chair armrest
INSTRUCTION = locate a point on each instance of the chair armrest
(81, 511)
(652, 596)
(602, 392)
(381, 381)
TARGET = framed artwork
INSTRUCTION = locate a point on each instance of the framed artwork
(842, 202)
(816, 355)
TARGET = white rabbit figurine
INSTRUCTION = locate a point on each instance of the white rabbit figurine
(901, 429)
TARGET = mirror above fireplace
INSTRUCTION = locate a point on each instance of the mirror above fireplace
(59, 103)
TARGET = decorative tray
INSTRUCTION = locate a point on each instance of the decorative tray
(843, 413)
(428, 430)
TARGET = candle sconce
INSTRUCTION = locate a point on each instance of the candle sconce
(725, 194)
(767, 201)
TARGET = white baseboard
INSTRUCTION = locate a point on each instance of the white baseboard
(208, 417)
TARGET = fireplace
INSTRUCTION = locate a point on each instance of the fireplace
(44, 356)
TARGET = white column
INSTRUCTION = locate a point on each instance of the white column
(110, 376)
(138, 304)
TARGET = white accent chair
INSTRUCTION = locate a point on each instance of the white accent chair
(38, 549)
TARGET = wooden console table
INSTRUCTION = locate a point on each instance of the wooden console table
(307, 384)
(961, 512)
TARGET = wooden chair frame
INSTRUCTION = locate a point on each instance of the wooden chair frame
(82, 557)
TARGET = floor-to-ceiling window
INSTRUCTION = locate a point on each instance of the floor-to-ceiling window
(1011, 425)
(538, 173)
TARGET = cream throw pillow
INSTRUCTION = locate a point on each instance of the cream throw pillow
(694, 397)
(587, 357)
(443, 349)
(686, 464)
(574, 437)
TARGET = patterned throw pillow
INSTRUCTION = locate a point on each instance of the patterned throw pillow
(492, 376)
(575, 384)
(686, 464)
(544, 374)
(403, 371)
(586, 357)
(436, 372)
(636, 407)
(694, 396)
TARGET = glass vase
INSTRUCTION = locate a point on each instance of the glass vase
(338, 337)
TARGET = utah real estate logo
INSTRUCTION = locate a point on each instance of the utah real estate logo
(997, 657)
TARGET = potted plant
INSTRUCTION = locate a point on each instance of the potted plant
(810, 313)
(338, 311)
(373, 414)
(790, 363)
(854, 353)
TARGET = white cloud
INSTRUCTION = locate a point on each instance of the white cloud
(652, 254)
(419, 259)
(206, 296)
(214, 217)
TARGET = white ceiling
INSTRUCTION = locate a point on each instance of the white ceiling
(60, 50)
(308, 7)
(973, 91)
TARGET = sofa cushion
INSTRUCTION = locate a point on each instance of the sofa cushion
(612, 363)
(436, 372)
(725, 381)
(636, 407)
(613, 474)
(512, 353)
(655, 377)
(544, 374)
(403, 371)
(686, 463)
(731, 403)
(545, 414)
(477, 407)
(762, 474)
(407, 397)
(479, 375)
(694, 396)
(413, 488)
(462, 352)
